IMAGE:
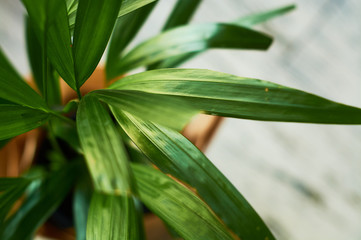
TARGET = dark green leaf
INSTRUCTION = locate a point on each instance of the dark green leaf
(228, 95)
(178, 206)
(15, 120)
(67, 133)
(13, 191)
(9, 182)
(253, 19)
(112, 217)
(39, 205)
(175, 155)
(3, 143)
(173, 113)
(49, 20)
(125, 30)
(14, 89)
(103, 148)
(182, 13)
(190, 39)
(94, 24)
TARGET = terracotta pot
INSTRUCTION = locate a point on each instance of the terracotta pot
(18, 155)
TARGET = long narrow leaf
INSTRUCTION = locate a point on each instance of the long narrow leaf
(190, 39)
(228, 95)
(49, 19)
(178, 206)
(173, 113)
(15, 120)
(103, 149)
(175, 155)
(14, 89)
(39, 205)
(253, 19)
(11, 194)
(182, 13)
(94, 24)
(125, 30)
(112, 217)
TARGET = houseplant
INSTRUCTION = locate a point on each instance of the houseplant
(136, 119)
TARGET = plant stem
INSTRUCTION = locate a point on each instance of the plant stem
(65, 119)
(54, 142)
(78, 92)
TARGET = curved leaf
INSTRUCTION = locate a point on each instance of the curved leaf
(94, 24)
(15, 120)
(190, 39)
(175, 155)
(228, 95)
(173, 113)
(112, 217)
(178, 206)
(103, 149)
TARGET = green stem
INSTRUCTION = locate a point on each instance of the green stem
(78, 92)
(54, 143)
(65, 119)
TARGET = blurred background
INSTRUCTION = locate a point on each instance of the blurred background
(303, 179)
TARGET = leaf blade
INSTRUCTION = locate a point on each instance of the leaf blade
(190, 39)
(177, 206)
(103, 149)
(95, 20)
(232, 96)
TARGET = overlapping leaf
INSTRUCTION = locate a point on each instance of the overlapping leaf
(228, 95)
(16, 119)
(175, 155)
(14, 89)
(103, 149)
(178, 206)
(189, 39)
(125, 30)
(94, 24)
(173, 113)
(39, 205)
(112, 217)
(10, 191)
(49, 20)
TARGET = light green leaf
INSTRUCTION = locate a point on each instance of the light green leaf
(173, 113)
(39, 205)
(14, 189)
(253, 19)
(181, 209)
(49, 20)
(103, 149)
(125, 30)
(228, 95)
(190, 39)
(112, 217)
(15, 120)
(182, 13)
(175, 155)
(94, 24)
(14, 89)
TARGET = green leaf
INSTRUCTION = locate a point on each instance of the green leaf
(103, 149)
(81, 202)
(14, 89)
(190, 39)
(228, 95)
(3, 144)
(94, 24)
(125, 30)
(12, 192)
(253, 19)
(181, 209)
(175, 155)
(112, 217)
(15, 120)
(40, 204)
(173, 113)
(182, 13)
(49, 20)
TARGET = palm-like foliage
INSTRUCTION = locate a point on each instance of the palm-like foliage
(120, 131)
